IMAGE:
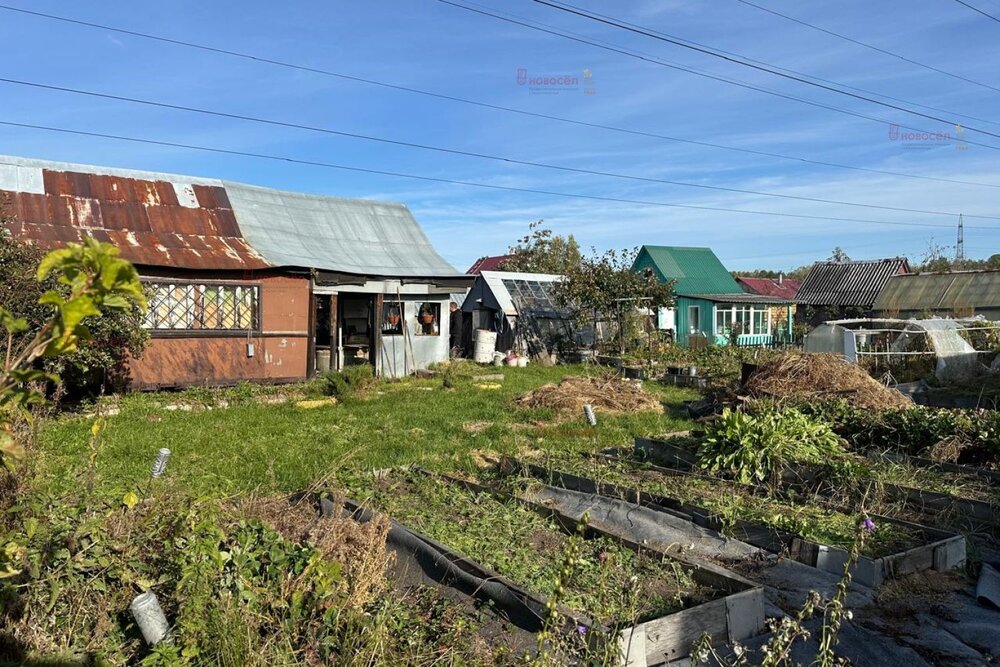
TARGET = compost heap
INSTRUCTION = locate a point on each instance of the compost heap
(607, 393)
(798, 377)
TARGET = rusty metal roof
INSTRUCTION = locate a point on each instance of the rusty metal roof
(956, 290)
(852, 283)
(155, 219)
(166, 220)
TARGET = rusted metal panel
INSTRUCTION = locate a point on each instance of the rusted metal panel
(143, 217)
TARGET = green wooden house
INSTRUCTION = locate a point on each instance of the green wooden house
(710, 307)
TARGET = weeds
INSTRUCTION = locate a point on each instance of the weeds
(788, 630)
(351, 381)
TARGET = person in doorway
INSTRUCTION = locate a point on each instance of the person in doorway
(455, 330)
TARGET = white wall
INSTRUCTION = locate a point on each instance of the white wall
(402, 354)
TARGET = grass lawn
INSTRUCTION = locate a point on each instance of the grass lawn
(284, 448)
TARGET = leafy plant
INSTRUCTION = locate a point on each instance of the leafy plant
(93, 278)
(350, 381)
(758, 447)
(99, 362)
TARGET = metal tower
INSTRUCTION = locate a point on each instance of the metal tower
(960, 245)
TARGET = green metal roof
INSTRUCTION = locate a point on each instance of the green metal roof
(695, 270)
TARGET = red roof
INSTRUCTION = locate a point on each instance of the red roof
(787, 288)
(487, 264)
(153, 222)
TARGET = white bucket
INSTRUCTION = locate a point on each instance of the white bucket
(486, 344)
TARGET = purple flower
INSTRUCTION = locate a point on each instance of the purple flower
(868, 525)
(581, 629)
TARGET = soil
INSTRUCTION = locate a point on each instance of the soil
(546, 542)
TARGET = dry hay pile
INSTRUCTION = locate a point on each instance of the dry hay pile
(607, 393)
(359, 547)
(802, 377)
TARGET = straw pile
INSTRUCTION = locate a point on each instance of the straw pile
(607, 393)
(800, 377)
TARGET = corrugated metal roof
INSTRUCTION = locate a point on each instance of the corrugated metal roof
(957, 290)
(739, 297)
(787, 288)
(854, 283)
(168, 220)
(333, 234)
(155, 219)
(487, 264)
(695, 270)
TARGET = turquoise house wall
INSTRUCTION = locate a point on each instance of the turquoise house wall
(706, 318)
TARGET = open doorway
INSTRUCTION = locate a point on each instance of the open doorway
(355, 329)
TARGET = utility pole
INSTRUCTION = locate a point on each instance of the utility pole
(960, 245)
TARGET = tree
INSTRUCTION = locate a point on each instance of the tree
(839, 255)
(541, 251)
(604, 287)
(99, 362)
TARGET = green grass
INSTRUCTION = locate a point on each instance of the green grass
(284, 448)
(610, 582)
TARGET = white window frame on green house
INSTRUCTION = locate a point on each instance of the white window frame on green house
(756, 319)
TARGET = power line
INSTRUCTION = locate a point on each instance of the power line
(977, 9)
(486, 105)
(489, 186)
(472, 154)
(663, 63)
(871, 47)
(741, 60)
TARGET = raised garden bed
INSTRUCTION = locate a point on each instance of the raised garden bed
(813, 533)
(655, 604)
(945, 494)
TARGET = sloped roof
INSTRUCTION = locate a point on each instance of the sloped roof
(740, 297)
(786, 289)
(487, 264)
(695, 270)
(167, 220)
(492, 289)
(955, 290)
(853, 283)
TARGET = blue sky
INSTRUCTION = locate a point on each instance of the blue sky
(429, 45)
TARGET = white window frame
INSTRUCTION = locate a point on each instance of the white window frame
(751, 311)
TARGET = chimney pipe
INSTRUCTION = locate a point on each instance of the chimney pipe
(781, 278)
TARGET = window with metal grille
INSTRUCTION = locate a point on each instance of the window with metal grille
(202, 307)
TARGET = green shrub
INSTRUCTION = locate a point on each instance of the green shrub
(98, 363)
(914, 430)
(350, 381)
(756, 447)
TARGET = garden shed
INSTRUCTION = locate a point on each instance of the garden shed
(941, 294)
(522, 309)
(711, 308)
(837, 290)
(248, 283)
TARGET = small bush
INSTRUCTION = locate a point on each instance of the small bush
(349, 382)
(914, 430)
(756, 447)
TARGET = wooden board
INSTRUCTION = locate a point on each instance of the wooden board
(943, 551)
